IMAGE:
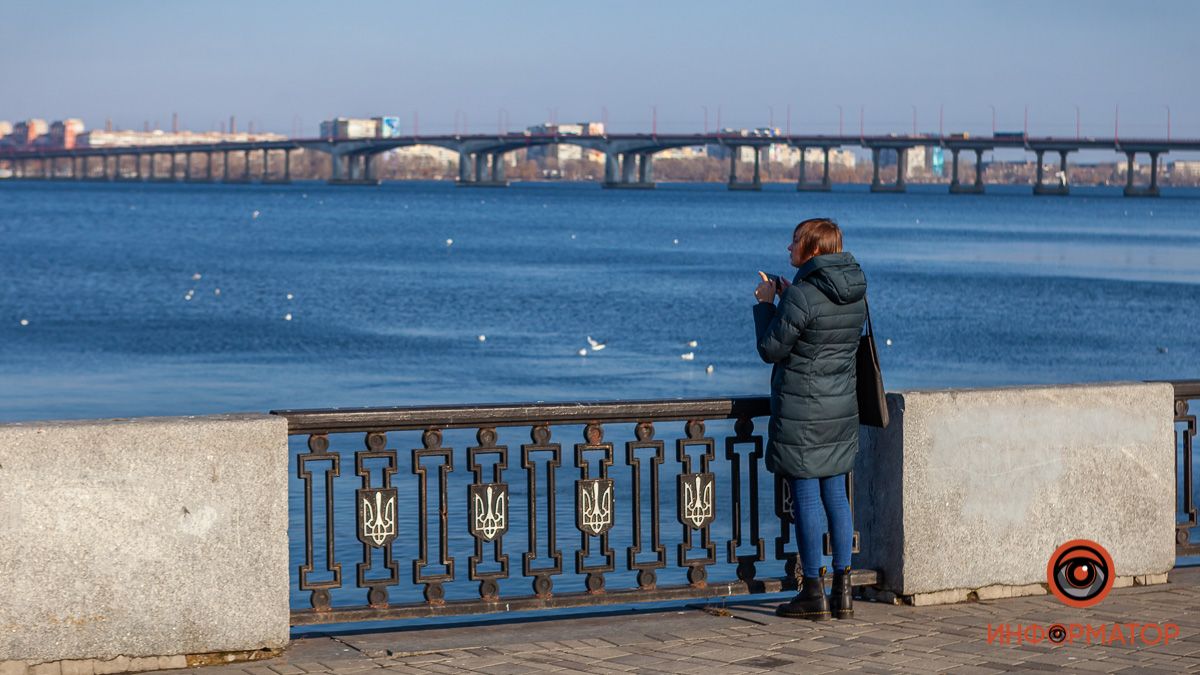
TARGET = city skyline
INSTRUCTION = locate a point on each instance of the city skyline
(670, 65)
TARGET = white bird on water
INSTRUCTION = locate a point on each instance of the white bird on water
(483, 338)
(688, 356)
(693, 343)
(196, 277)
(449, 242)
(255, 214)
(24, 322)
(596, 344)
(709, 369)
(287, 317)
(290, 296)
(583, 352)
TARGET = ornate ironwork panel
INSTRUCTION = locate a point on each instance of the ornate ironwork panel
(646, 578)
(697, 500)
(744, 434)
(318, 452)
(1185, 478)
(378, 508)
(434, 591)
(594, 510)
(543, 577)
(487, 512)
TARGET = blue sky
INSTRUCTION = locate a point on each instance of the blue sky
(290, 64)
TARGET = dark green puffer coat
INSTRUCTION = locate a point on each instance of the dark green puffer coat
(812, 338)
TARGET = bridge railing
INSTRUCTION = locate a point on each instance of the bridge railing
(1187, 394)
(551, 505)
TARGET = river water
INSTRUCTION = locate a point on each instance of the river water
(109, 302)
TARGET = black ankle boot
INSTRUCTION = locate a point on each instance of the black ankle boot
(810, 602)
(841, 600)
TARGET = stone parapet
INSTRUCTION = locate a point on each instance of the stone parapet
(968, 492)
(124, 542)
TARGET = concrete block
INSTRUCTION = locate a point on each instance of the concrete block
(171, 662)
(79, 667)
(109, 666)
(48, 668)
(143, 663)
(143, 537)
(972, 489)
(1150, 579)
(946, 597)
(1123, 582)
(14, 668)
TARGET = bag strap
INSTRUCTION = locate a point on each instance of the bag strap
(870, 328)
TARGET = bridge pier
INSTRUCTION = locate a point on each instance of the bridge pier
(956, 186)
(901, 166)
(631, 170)
(287, 169)
(481, 169)
(756, 183)
(225, 166)
(359, 171)
(825, 185)
(1059, 188)
(1150, 190)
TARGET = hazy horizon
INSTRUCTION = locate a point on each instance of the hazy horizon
(482, 67)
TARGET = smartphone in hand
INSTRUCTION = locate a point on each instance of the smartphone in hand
(773, 278)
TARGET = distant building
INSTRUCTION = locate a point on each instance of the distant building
(27, 131)
(64, 133)
(6, 128)
(1184, 168)
(109, 139)
(564, 152)
(690, 152)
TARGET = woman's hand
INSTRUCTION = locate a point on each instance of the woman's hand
(765, 291)
(783, 286)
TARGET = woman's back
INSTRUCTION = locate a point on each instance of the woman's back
(814, 407)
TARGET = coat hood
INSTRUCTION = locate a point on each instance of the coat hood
(837, 275)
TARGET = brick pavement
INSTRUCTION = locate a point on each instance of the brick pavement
(746, 637)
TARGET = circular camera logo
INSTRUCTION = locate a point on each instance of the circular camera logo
(1080, 573)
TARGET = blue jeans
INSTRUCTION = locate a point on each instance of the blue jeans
(808, 496)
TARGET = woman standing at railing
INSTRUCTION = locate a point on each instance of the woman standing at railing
(812, 339)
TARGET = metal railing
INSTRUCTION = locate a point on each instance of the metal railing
(1185, 476)
(617, 501)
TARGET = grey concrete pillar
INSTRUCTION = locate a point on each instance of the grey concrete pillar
(187, 166)
(648, 174)
(480, 168)
(825, 175)
(901, 165)
(1128, 171)
(368, 162)
(1062, 165)
(287, 165)
(610, 167)
(173, 156)
(266, 164)
(153, 167)
(498, 167)
(246, 165)
(137, 166)
(800, 180)
(464, 166)
(628, 165)
(225, 165)
(979, 167)
(335, 166)
(1039, 166)
(954, 167)
(208, 162)
(874, 167)
(1153, 171)
(733, 158)
(643, 167)
(757, 167)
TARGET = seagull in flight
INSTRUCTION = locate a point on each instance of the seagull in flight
(596, 344)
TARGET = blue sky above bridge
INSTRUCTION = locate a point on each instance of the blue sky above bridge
(287, 65)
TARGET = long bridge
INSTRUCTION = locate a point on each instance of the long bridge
(628, 158)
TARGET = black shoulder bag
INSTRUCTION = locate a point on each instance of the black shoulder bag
(872, 401)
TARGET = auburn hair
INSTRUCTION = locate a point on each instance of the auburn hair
(818, 236)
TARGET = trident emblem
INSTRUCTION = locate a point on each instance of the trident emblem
(594, 500)
(488, 510)
(377, 517)
(696, 499)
